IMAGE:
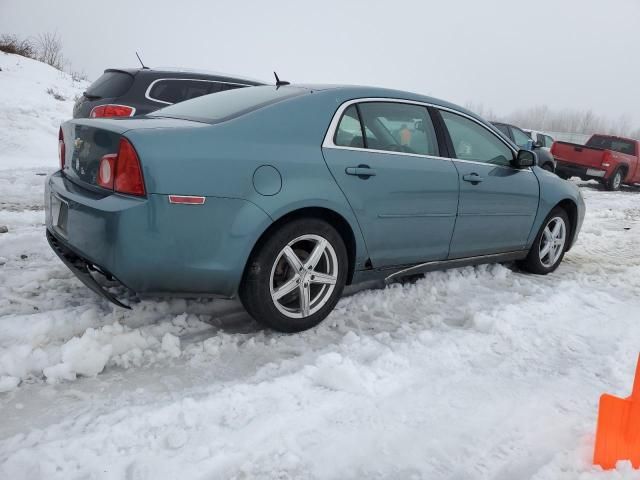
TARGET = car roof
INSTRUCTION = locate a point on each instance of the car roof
(185, 72)
(361, 91)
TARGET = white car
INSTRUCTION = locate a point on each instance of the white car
(545, 141)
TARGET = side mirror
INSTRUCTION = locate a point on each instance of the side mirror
(524, 159)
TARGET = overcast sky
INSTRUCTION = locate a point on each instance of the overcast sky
(503, 54)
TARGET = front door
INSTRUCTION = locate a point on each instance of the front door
(498, 203)
(385, 157)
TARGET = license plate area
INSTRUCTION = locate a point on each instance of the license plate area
(59, 214)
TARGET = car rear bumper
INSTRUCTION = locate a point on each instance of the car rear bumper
(585, 173)
(150, 245)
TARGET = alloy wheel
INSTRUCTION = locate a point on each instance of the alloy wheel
(303, 276)
(552, 242)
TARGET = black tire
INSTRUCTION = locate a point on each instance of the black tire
(533, 263)
(562, 175)
(614, 182)
(548, 167)
(255, 289)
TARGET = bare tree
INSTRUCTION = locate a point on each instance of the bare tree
(15, 45)
(571, 121)
(49, 50)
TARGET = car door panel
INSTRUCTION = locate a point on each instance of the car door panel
(498, 203)
(496, 214)
(407, 210)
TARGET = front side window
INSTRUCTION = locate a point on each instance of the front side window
(520, 138)
(473, 142)
(398, 127)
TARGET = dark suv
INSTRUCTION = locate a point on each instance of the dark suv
(523, 140)
(129, 91)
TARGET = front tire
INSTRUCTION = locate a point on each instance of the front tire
(296, 276)
(550, 244)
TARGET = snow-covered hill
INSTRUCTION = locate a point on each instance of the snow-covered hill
(474, 373)
(34, 99)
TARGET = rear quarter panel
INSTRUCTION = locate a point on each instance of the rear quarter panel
(220, 160)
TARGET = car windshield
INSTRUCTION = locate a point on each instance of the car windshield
(611, 143)
(219, 107)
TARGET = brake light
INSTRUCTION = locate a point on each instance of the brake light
(61, 149)
(121, 171)
(111, 110)
(606, 158)
(128, 175)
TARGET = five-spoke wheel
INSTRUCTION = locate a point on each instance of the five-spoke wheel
(550, 244)
(296, 276)
(304, 276)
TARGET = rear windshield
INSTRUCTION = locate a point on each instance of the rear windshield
(110, 84)
(229, 104)
(615, 144)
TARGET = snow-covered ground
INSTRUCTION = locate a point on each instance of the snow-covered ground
(474, 373)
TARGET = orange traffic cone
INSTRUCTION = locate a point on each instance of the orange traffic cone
(618, 431)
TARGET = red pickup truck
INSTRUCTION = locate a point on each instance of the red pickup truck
(611, 160)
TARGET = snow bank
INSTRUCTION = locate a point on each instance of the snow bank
(30, 113)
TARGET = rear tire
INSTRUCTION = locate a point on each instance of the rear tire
(614, 182)
(550, 244)
(295, 277)
(562, 175)
(548, 167)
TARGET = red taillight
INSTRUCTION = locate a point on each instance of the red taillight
(111, 110)
(128, 175)
(106, 171)
(61, 149)
(121, 171)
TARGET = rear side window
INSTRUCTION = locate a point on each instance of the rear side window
(503, 128)
(389, 126)
(110, 84)
(616, 144)
(473, 142)
(228, 104)
(176, 90)
(349, 132)
(548, 141)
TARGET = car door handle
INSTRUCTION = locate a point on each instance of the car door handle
(472, 177)
(362, 171)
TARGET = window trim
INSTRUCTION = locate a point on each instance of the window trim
(337, 116)
(147, 93)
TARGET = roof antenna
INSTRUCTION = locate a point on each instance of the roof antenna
(140, 60)
(280, 83)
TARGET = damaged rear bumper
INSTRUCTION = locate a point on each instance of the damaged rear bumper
(83, 269)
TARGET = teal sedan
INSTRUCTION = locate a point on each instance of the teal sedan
(282, 195)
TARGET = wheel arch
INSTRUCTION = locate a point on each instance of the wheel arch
(332, 217)
(571, 208)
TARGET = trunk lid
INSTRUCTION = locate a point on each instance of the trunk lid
(88, 140)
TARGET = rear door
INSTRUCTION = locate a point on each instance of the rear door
(498, 203)
(386, 159)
